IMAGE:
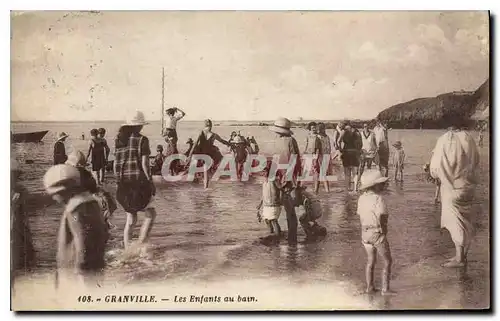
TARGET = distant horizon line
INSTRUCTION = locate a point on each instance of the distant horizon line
(201, 120)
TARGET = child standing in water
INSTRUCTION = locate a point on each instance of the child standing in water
(88, 183)
(101, 133)
(97, 155)
(312, 210)
(398, 160)
(157, 163)
(270, 204)
(240, 152)
(82, 234)
(373, 215)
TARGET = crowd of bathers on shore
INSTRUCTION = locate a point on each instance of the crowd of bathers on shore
(85, 225)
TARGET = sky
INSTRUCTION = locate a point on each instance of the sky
(72, 66)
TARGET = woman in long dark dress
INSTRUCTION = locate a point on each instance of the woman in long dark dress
(204, 145)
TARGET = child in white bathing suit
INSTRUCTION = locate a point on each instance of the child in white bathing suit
(398, 160)
(270, 204)
(373, 215)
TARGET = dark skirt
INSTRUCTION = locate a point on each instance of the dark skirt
(134, 196)
(98, 161)
(350, 158)
(383, 156)
(171, 133)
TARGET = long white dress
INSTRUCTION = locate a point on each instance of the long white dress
(455, 161)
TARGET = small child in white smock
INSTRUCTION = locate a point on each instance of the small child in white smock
(270, 204)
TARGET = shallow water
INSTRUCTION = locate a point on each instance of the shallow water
(209, 235)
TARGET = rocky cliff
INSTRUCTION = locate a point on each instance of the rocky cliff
(441, 111)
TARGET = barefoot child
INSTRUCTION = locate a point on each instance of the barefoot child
(157, 163)
(97, 154)
(373, 215)
(312, 210)
(398, 160)
(82, 234)
(240, 152)
(270, 204)
(101, 134)
(88, 183)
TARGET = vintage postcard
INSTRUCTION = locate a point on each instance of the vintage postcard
(250, 160)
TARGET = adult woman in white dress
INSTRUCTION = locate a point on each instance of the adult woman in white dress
(455, 161)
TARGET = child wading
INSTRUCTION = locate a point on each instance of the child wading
(312, 211)
(157, 162)
(373, 215)
(313, 149)
(270, 204)
(104, 198)
(170, 131)
(101, 134)
(240, 151)
(97, 153)
(398, 160)
(135, 187)
(82, 233)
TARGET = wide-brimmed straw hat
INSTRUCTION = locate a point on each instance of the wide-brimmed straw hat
(371, 178)
(136, 119)
(61, 177)
(282, 126)
(76, 158)
(397, 144)
(62, 135)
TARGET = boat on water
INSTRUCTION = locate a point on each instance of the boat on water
(33, 137)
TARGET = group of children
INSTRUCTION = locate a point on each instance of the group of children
(273, 199)
(98, 153)
(85, 222)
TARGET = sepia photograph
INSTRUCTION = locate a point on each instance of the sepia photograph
(250, 160)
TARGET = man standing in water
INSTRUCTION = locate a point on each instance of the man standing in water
(455, 162)
(286, 147)
(382, 142)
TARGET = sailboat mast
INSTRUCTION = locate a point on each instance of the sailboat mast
(162, 98)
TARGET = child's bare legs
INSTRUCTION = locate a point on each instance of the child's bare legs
(103, 171)
(385, 251)
(369, 163)
(401, 173)
(271, 228)
(129, 226)
(356, 178)
(147, 225)
(276, 228)
(97, 176)
(205, 176)
(327, 186)
(347, 177)
(316, 182)
(371, 253)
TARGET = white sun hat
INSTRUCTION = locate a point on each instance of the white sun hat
(371, 178)
(61, 177)
(135, 118)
